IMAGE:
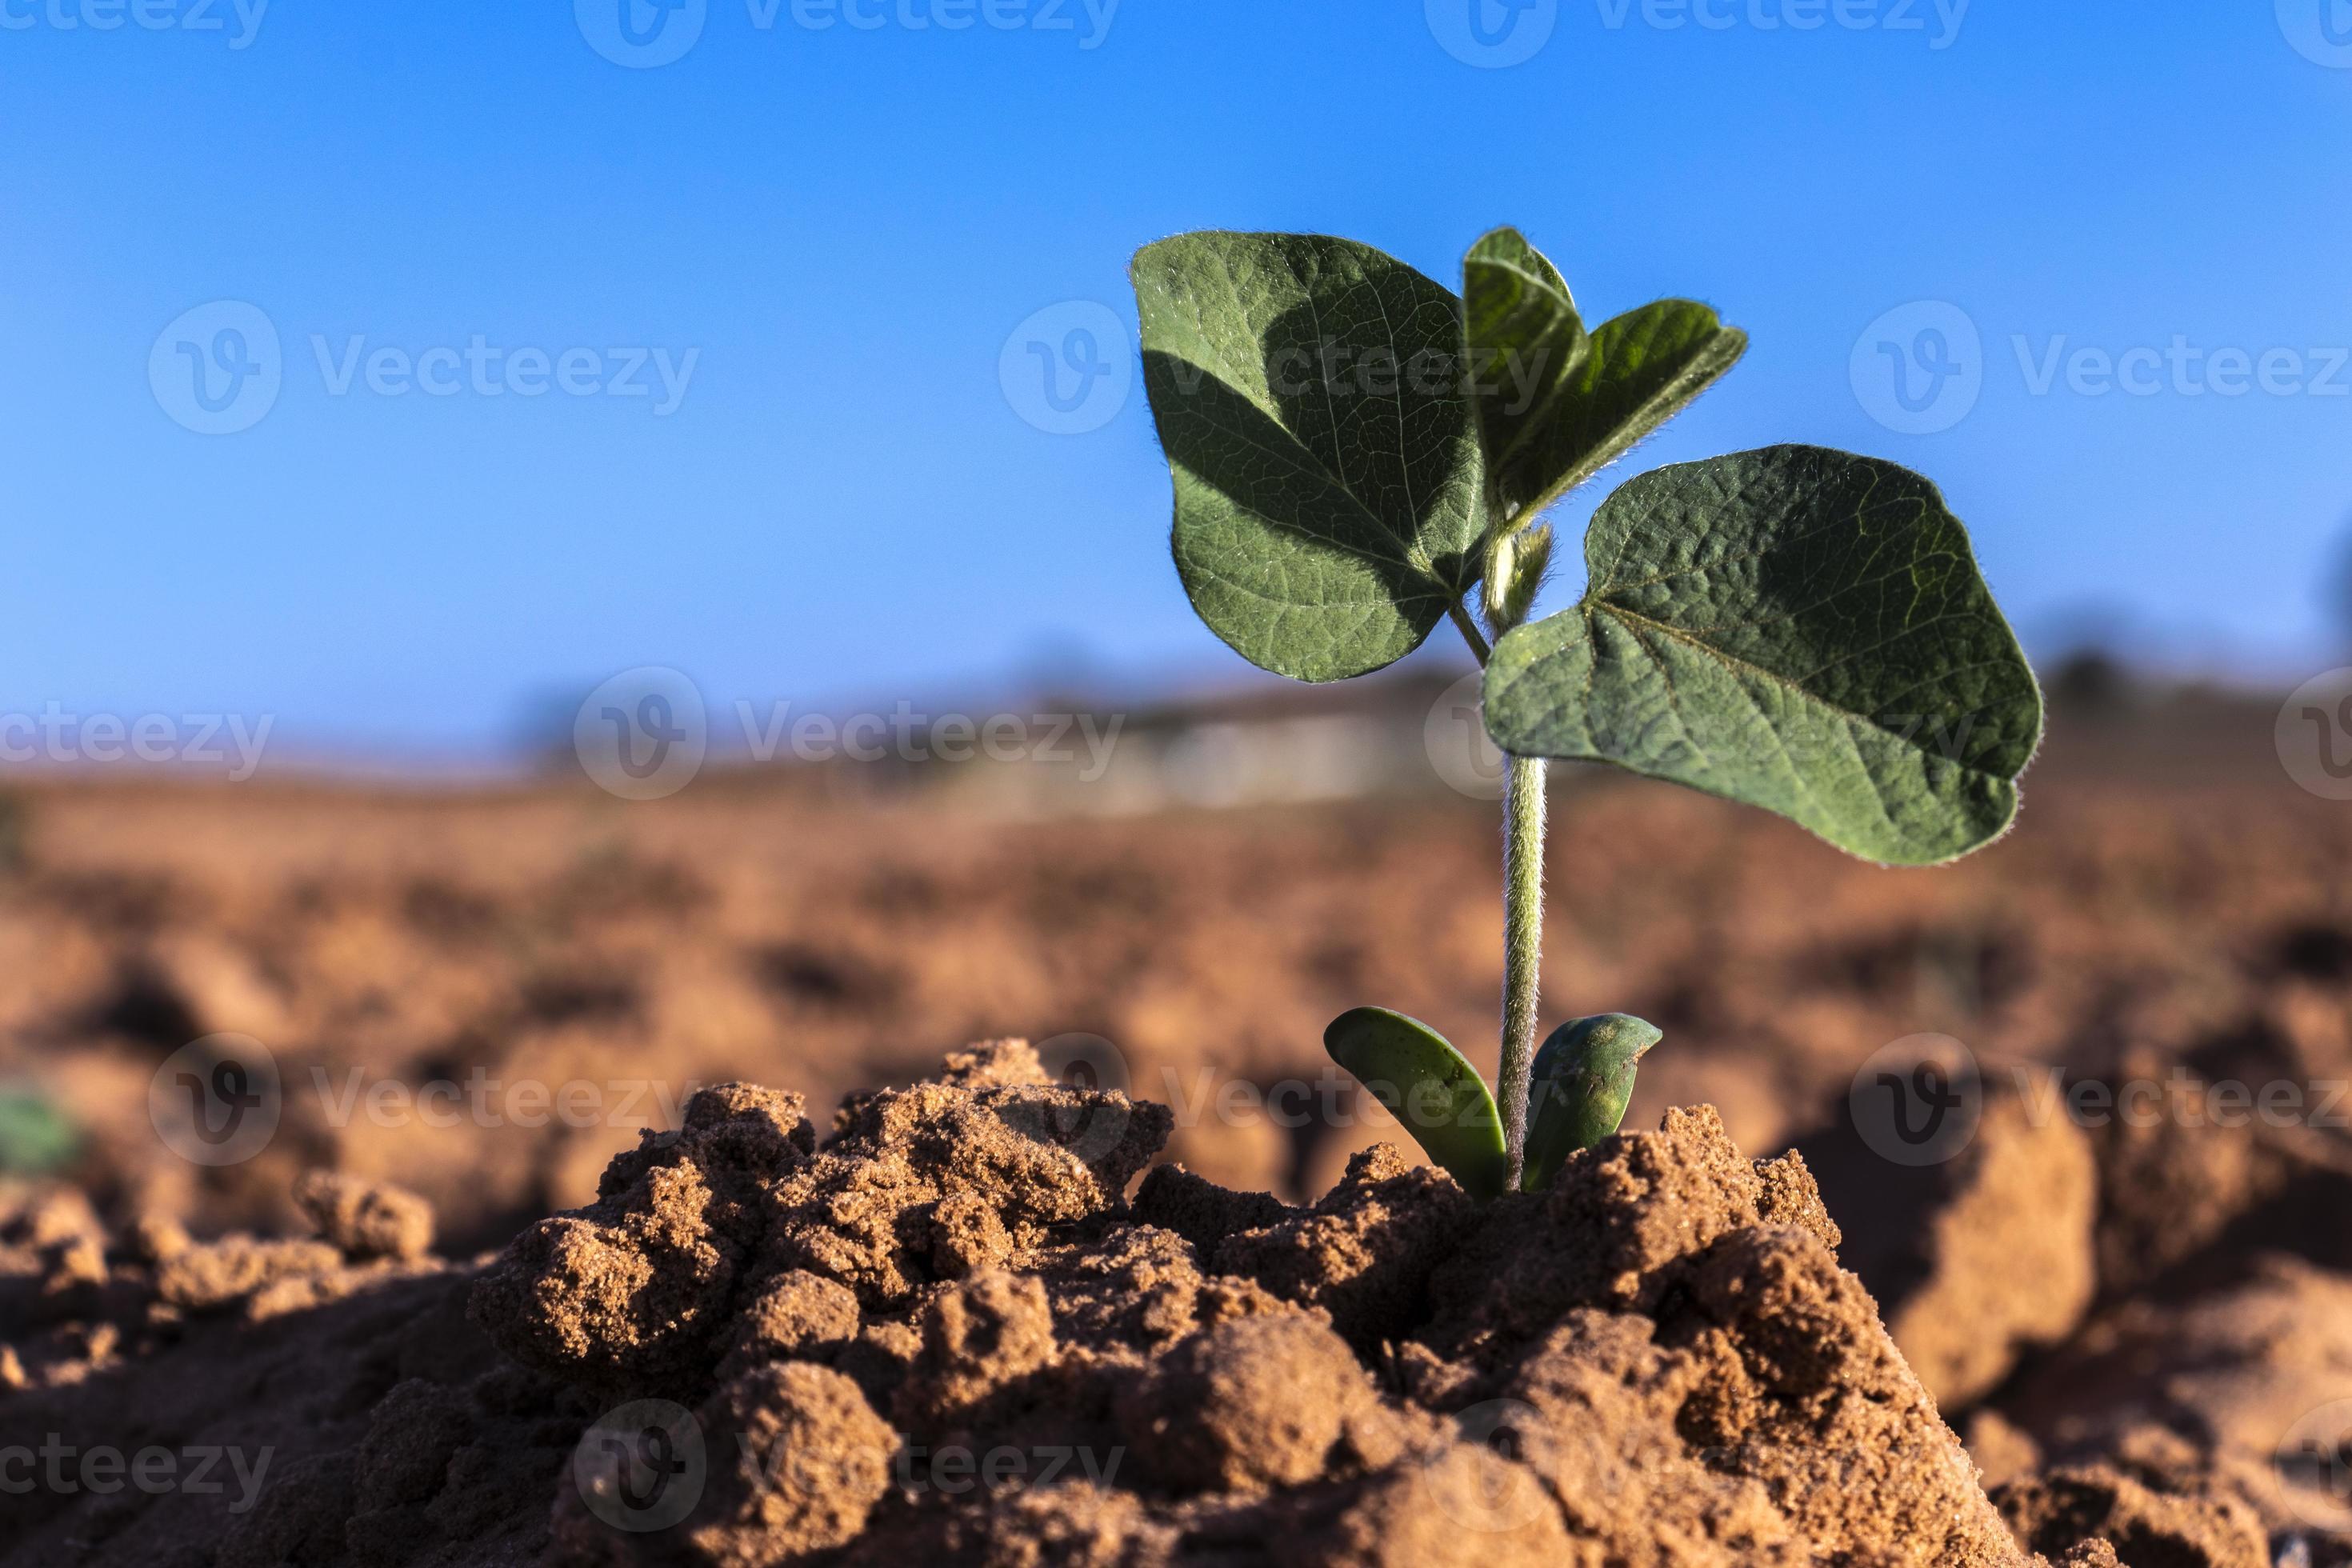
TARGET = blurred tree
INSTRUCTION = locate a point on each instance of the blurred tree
(2091, 683)
(12, 832)
(2336, 586)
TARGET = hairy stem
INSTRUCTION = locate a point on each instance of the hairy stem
(1470, 632)
(1523, 858)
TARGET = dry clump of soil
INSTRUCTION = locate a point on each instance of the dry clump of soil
(75, 1303)
(1978, 1260)
(2140, 1524)
(1659, 1362)
(2207, 1399)
(2112, 1316)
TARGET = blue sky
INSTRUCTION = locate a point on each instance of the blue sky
(829, 234)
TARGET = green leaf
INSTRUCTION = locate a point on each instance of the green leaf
(1427, 1085)
(1800, 629)
(1555, 406)
(1527, 348)
(1643, 367)
(1583, 1082)
(1646, 366)
(1308, 395)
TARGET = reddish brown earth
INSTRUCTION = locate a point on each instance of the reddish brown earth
(1659, 1360)
(1303, 1346)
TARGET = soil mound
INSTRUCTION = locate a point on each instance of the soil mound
(1978, 1260)
(943, 1334)
(1658, 1361)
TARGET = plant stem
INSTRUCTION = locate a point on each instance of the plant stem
(1523, 866)
(1470, 633)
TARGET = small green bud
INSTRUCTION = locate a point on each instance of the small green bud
(1516, 564)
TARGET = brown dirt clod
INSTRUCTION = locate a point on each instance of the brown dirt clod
(366, 1219)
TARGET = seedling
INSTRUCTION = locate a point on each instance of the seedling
(1358, 455)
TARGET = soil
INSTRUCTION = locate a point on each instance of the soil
(1659, 1360)
(1005, 1313)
